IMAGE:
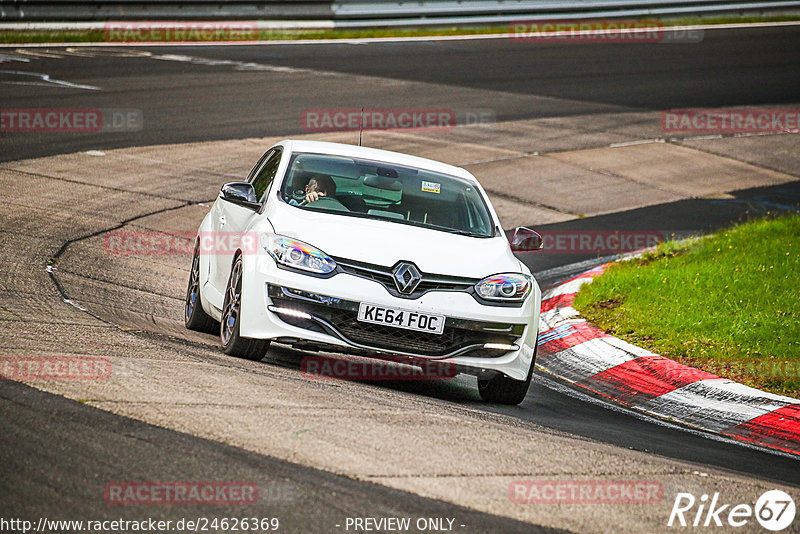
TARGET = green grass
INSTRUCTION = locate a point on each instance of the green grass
(728, 304)
(84, 36)
(97, 36)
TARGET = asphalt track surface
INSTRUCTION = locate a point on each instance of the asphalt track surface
(186, 101)
(67, 464)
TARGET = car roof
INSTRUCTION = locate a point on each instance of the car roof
(374, 154)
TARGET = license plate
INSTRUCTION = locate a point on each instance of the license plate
(419, 322)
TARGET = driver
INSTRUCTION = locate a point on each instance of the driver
(304, 184)
(318, 186)
(320, 190)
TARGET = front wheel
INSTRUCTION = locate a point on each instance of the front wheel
(504, 390)
(232, 342)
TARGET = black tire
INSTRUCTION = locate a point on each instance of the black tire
(232, 342)
(504, 390)
(194, 315)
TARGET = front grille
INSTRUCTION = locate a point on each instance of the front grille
(383, 275)
(346, 323)
(387, 337)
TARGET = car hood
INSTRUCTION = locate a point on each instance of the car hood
(385, 243)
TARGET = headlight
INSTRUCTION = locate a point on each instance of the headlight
(298, 255)
(507, 287)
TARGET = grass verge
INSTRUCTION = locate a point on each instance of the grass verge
(98, 36)
(728, 304)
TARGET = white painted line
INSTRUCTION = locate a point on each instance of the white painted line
(634, 143)
(697, 137)
(5, 59)
(237, 65)
(741, 134)
(39, 54)
(46, 80)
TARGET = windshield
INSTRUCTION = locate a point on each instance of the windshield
(375, 190)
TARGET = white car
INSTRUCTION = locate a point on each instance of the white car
(395, 257)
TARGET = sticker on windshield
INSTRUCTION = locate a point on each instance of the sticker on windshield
(431, 187)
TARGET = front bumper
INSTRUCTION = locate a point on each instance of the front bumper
(317, 312)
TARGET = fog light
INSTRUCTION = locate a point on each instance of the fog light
(290, 312)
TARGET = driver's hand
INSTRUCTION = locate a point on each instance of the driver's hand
(313, 195)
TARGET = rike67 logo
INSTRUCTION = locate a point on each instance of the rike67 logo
(774, 510)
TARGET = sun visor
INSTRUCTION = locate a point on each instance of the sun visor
(330, 165)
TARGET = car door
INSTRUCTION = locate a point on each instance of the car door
(230, 220)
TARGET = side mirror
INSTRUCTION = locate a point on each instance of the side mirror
(241, 193)
(524, 240)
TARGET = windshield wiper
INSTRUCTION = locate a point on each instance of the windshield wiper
(456, 231)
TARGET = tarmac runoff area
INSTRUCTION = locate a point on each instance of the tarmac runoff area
(61, 207)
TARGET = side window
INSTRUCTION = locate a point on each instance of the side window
(258, 165)
(266, 174)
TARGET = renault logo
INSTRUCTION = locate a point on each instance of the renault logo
(406, 277)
